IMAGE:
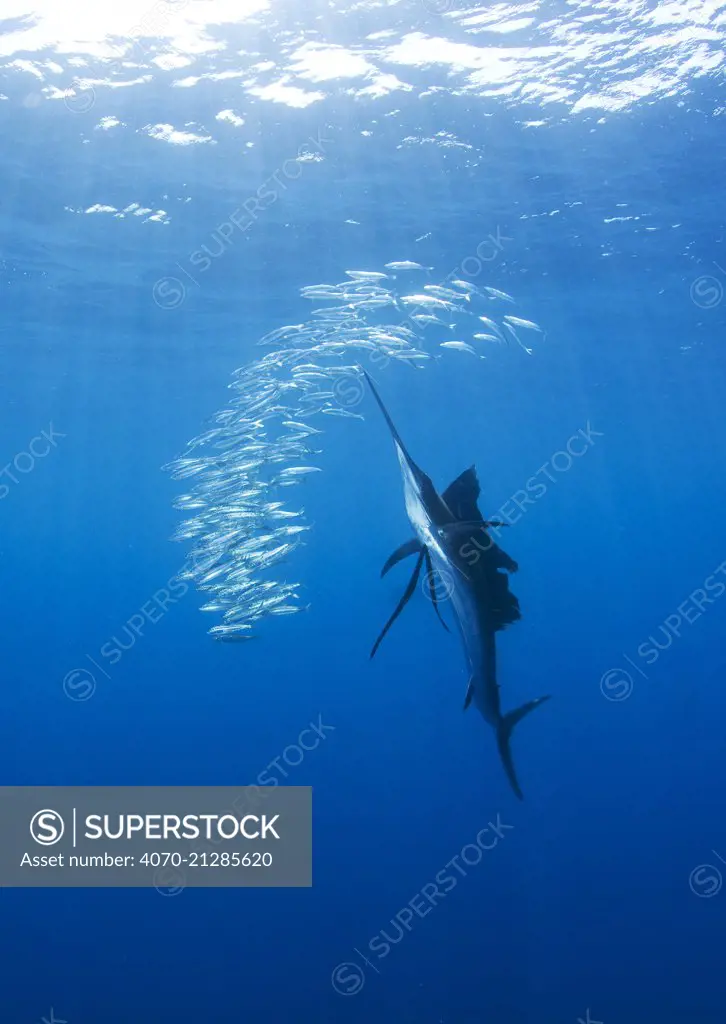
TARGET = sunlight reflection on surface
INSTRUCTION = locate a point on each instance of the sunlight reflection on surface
(588, 55)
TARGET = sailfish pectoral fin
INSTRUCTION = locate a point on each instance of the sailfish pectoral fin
(403, 602)
(432, 588)
(409, 548)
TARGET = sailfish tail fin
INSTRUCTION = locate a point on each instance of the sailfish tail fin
(504, 733)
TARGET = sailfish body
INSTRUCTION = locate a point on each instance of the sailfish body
(451, 539)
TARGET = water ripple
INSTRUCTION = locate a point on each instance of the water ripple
(607, 56)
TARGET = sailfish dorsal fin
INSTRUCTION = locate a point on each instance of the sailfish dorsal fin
(462, 495)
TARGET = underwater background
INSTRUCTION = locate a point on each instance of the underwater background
(568, 154)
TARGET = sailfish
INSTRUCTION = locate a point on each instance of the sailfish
(451, 539)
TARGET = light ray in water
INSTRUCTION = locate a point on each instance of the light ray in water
(261, 442)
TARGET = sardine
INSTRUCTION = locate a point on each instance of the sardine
(291, 471)
(366, 275)
(459, 346)
(405, 265)
(343, 413)
(281, 332)
(444, 293)
(425, 301)
(429, 318)
(517, 321)
(496, 294)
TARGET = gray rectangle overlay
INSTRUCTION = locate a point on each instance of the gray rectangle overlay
(168, 837)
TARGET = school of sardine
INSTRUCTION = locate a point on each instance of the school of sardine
(263, 440)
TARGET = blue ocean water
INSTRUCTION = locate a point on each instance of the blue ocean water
(568, 154)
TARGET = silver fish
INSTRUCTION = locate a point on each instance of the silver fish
(459, 346)
(231, 634)
(465, 286)
(286, 609)
(444, 293)
(517, 321)
(291, 471)
(405, 265)
(429, 318)
(411, 357)
(374, 302)
(343, 413)
(304, 428)
(425, 301)
(488, 322)
(496, 294)
(281, 332)
(188, 501)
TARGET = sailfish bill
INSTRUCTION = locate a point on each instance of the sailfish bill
(451, 538)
